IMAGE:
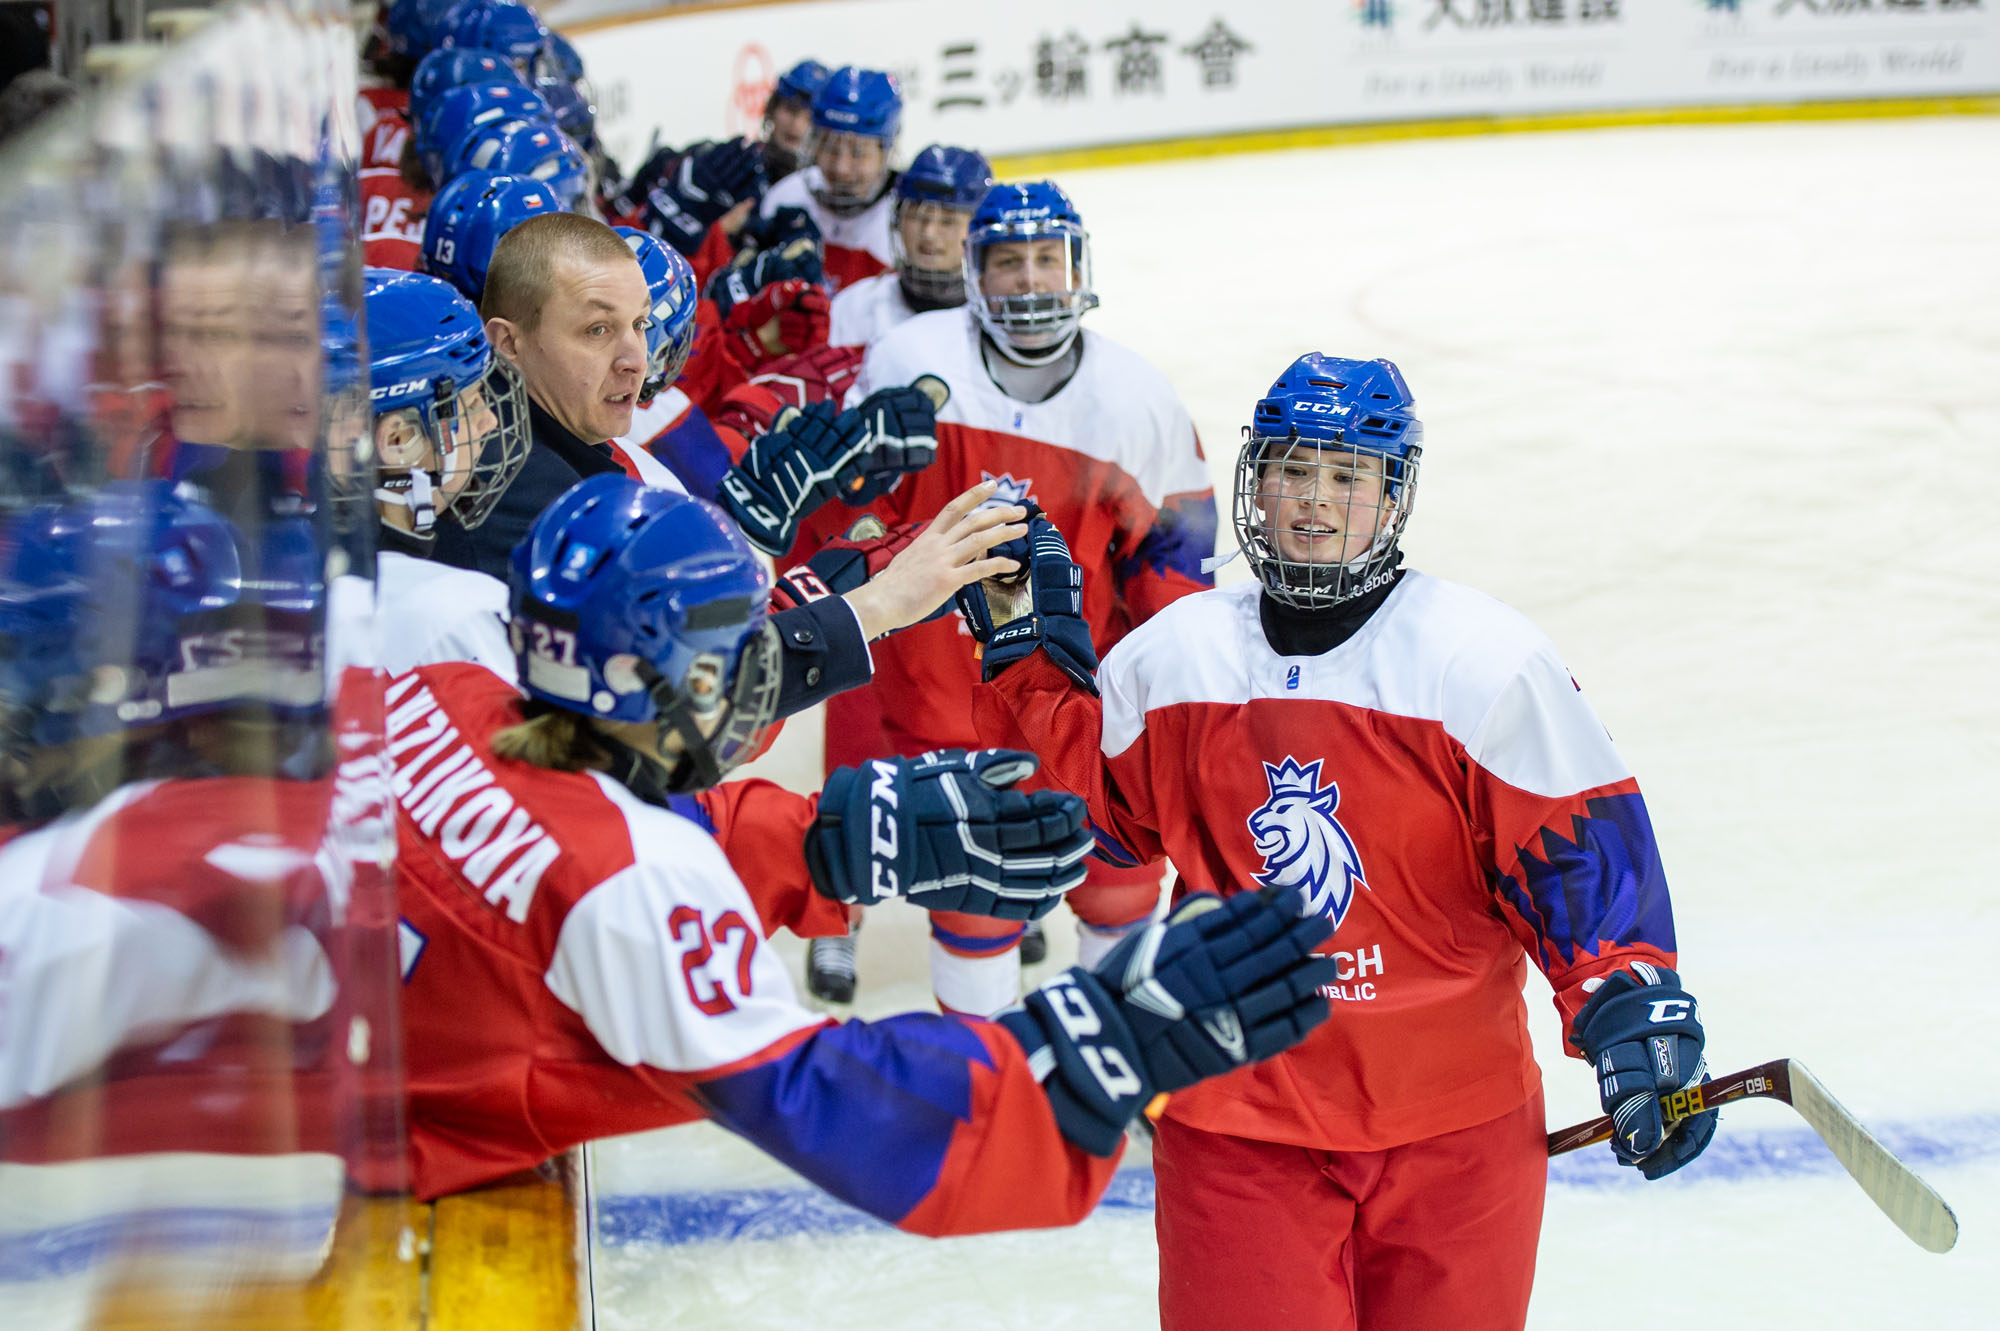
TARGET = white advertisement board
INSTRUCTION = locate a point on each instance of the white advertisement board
(1039, 75)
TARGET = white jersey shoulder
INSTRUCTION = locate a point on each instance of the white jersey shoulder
(864, 312)
(431, 613)
(1119, 407)
(665, 961)
(1434, 651)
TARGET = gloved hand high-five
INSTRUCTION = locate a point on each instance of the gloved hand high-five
(797, 260)
(946, 831)
(1219, 983)
(1642, 1033)
(809, 456)
(1048, 614)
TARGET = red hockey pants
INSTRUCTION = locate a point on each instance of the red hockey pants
(1438, 1235)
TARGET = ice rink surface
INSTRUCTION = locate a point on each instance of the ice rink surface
(1719, 408)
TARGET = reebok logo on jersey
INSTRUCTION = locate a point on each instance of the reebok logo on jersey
(1303, 844)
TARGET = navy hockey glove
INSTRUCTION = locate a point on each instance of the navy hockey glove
(1051, 617)
(901, 426)
(689, 196)
(751, 273)
(945, 831)
(1642, 1033)
(809, 456)
(1219, 983)
(761, 234)
(786, 473)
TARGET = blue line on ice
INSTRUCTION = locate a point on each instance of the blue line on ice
(1733, 1157)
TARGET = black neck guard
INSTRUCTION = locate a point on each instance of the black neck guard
(1293, 631)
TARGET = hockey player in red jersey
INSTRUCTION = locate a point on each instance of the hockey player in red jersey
(579, 959)
(1416, 761)
(1093, 434)
(847, 191)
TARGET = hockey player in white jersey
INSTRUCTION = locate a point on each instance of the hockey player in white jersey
(450, 434)
(847, 189)
(1416, 760)
(935, 198)
(1095, 436)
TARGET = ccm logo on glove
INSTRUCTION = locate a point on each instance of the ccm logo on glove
(1080, 1022)
(882, 829)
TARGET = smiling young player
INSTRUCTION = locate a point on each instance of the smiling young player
(1414, 759)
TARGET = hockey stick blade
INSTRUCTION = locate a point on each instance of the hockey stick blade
(1912, 1204)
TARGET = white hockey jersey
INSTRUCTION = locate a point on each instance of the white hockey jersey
(430, 612)
(866, 310)
(1112, 458)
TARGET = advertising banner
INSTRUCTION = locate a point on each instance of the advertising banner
(1042, 75)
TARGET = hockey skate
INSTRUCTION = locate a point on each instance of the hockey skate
(830, 973)
(1034, 944)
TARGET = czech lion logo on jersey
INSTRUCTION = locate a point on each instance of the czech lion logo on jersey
(1303, 844)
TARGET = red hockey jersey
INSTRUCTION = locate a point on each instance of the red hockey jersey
(1112, 459)
(392, 214)
(579, 963)
(1436, 784)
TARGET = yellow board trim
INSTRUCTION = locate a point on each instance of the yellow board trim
(1323, 136)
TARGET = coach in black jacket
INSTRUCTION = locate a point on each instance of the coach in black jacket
(566, 304)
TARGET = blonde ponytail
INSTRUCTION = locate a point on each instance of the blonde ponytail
(551, 737)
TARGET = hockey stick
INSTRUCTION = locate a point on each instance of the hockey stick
(1893, 1186)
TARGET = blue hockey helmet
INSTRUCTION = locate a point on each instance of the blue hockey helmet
(1326, 479)
(559, 78)
(561, 60)
(670, 332)
(955, 177)
(452, 116)
(103, 602)
(497, 25)
(856, 115)
(632, 603)
(859, 101)
(467, 219)
(802, 82)
(451, 418)
(415, 27)
(574, 108)
(939, 182)
(793, 91)
(455, 67)
(1032, 310)
(535, 149)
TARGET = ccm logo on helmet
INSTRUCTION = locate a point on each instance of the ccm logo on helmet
(1320, 408)
(397, 390)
